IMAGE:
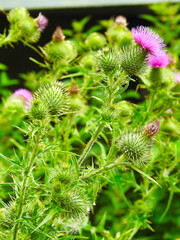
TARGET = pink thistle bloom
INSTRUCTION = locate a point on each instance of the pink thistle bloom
(177, 77)
(24, 94)
(42, 22)
(148, 39)
(160, 60)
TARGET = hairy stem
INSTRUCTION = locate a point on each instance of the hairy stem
(23, 189)
(91, 142)
(32, 47)
(104, 168)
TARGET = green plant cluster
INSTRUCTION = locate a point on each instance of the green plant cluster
(88, 157)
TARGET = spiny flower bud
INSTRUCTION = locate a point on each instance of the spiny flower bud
(17, 15)
(29, 30)
(119, 36)
(72, 199)
(133, 60)
(151, 129)
(54, 97)
(38, 110)
(108, 60)
(60, 51)
(58, 35)
(62, 176)
(88, 62)
(135, 146)
(95, 41)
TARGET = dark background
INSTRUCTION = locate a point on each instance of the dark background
(17, 58)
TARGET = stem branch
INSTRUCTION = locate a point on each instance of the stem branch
(23, 190)
(91, 142)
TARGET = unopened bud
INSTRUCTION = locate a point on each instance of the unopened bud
(58, 35)
(122, 21)
(151, 129)
(74, 89)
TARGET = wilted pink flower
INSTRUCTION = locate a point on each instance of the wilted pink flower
(121, 20)
(160, 60)
(24, 94)
(42, 22)
(148, 39)
(151, 129)
(169, 110)
(177, 77)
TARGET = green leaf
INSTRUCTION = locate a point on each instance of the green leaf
(144, 174)
(47, 218)
(10, 160)
(3, 67)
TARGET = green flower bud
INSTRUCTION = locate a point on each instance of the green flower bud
(163, 77)
(14, 105)
(17, 15)
(29, 30)
(124, 109)
(71, 199)
(88, 62)
(133, 60)
(118, 35)
(108, 60)
(108, 114)
(135, 146)
(38, 110)
(54, 97)
(56, 51)
(95, 41)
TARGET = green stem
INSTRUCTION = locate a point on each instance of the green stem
(117, 83)
(91, 142)
(104, 168)
(168, 205)
(32, 47)
(66, 135)
(23, 190)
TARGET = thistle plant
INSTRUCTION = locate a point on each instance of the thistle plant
(79, 141)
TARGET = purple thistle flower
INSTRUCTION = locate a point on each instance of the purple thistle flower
(148, 39)
(177, 77)
(160, 60)
(42, 22)
(24, 94)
